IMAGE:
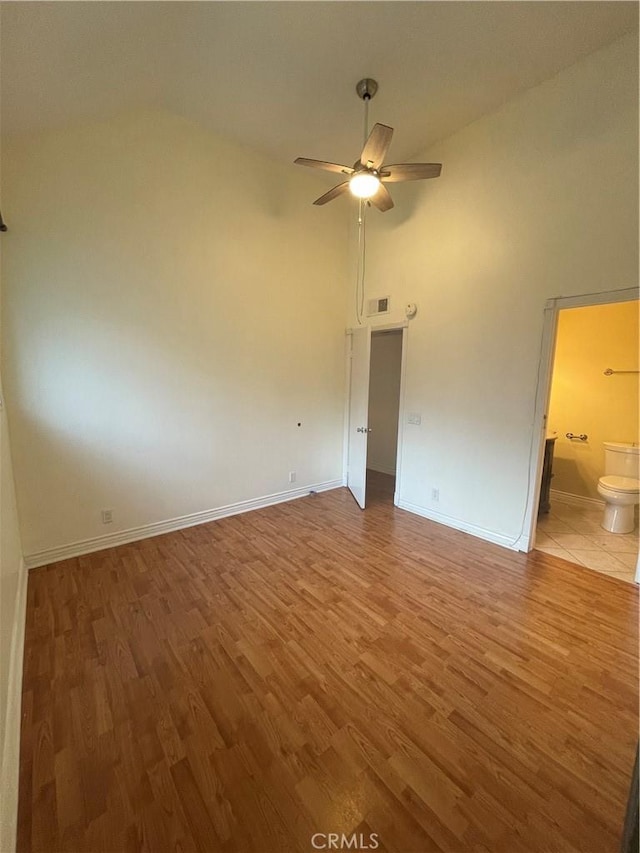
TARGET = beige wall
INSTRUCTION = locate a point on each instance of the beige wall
(584, 400)
(537, 200)
(384, 401)
(174, 308)
(175, 305)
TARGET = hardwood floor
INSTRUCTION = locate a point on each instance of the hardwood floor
(311, 668)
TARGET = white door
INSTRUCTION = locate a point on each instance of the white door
(359, 413)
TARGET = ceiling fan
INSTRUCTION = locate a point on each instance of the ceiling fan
(368, 175)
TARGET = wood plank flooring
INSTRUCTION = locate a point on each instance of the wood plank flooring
(311, 668)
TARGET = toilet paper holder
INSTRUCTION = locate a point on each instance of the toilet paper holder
(582, 437)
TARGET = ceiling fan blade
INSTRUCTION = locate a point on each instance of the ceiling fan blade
(334, 192)
(382, 200)
(322, 164)
(376, 147)
(410, 172)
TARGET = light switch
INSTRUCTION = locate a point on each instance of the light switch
(414, 418)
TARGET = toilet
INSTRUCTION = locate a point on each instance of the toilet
(620, 486)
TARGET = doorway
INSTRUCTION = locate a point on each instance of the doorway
(375, 405)
(385, 376)
(592, 404)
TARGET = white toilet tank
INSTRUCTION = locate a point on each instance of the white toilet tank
(622, 460)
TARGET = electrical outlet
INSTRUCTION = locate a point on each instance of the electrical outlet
(107, 516)
(292, 476)
(435, 494)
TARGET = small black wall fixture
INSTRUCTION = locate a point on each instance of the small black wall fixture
(3, 227)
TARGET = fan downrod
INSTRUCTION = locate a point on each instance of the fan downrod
(367, 88)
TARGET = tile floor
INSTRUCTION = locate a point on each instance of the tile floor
(574, 533)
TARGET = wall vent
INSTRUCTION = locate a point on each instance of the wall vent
(380, 305)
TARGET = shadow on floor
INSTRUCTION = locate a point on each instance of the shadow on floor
(380, 487)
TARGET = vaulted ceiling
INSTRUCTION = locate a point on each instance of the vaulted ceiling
(280, 76)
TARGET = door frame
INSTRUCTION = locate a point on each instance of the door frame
(526, 541)
(383, 327)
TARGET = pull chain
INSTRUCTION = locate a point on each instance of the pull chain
(362, 210)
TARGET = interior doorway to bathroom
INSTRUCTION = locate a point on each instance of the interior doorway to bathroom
(592, 398)
(374, 427)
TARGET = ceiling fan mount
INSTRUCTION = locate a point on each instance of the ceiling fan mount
(367, 177)
(367, 88)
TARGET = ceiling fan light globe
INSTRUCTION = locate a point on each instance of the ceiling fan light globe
(364, 185)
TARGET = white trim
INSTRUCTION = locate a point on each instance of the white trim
(389, 327)
(605, 297)
(383, 327)
(357, 484)
(347, 406)
(401, 418)
(545, 370)
(10, 759)
(457, 524)
(575, 500)
(539, 432)
(122, 537)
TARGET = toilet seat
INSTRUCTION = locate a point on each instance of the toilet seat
(620, 484)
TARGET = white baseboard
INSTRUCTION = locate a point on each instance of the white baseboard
(522, 543)
(575, 500)
(133, 534)
(457, 524)
(382, 469)
(10, 758)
